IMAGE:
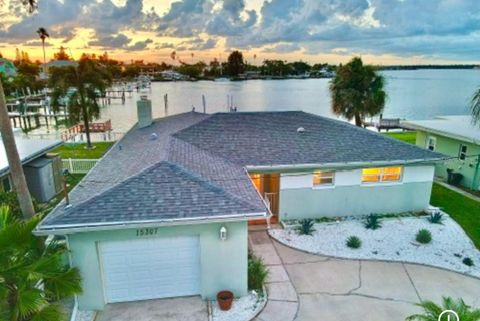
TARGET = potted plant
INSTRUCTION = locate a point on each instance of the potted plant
(225, 299)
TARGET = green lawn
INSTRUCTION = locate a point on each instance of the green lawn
(407, 137)
(462, 209)
(74, 150)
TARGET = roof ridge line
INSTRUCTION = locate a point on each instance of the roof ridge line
(218, 157)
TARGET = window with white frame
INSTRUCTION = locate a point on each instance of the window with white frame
(323, 178)
(462, 153)
(381, 174)
(432, 143)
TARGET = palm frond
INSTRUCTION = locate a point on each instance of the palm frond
(475, 107)
(65, 284)
(51, 312)
(28, 302)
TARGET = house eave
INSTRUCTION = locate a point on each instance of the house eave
(441, 133)
(252, 168)
(33, 156)
(64, 229)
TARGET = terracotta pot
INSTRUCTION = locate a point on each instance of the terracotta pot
(225, 299)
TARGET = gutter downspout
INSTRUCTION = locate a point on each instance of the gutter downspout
(73, 317)
(476, 178)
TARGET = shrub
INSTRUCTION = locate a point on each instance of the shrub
(372, 222)
(468, 261)
(257, 273)
(424, 236)
(432, 311)
(306, 226)
(354, 242)
(435, 218)
(10, 200)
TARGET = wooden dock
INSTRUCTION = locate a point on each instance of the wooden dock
(385, 124)
(73, 131)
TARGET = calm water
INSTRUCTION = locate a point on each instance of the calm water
(418, 94)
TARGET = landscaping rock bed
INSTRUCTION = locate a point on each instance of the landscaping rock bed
(243, 309)
(394, 241)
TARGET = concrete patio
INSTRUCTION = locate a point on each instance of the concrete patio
(175, 309)
(309, 287)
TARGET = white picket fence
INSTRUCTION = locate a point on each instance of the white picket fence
(78, 166)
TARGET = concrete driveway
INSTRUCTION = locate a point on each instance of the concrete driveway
(308, 287)
(175, 309)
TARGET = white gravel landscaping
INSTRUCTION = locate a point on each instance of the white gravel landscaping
(243, 309)
(85, 315)
(394, 241)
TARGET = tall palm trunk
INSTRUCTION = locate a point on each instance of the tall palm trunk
(14, 162)
(44, 58)
(358, 120)
(86, 122)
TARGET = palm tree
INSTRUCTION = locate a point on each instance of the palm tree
(88, 80)
(14, 162)
(43, 34)
(475, 107)
(432, 311)
(33, 277)
(357, 91)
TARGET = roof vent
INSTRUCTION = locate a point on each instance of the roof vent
(300, 130)
(153, 136)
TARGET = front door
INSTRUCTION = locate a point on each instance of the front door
(268, 185)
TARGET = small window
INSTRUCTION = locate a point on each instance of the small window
(392, 174)
(432, 143)
(322, 178)
(462, 154)
(7, 186)
(371, 175)
(381, 174)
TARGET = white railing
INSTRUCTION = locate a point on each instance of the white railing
(78, 166)
(79, 137)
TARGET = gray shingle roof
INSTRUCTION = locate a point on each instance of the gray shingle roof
(271, 138)
(195, 165)
(162, 192)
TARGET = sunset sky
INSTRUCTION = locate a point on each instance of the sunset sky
(381, 31)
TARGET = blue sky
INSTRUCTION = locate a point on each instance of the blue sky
(381, 31)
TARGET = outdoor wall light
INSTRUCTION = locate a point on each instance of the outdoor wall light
(223, 233)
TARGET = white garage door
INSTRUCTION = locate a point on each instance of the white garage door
(150, 268)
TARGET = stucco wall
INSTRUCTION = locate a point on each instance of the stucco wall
(348, 196)
(223, 263)
(451, 147)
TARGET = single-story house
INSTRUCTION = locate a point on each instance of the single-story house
(42, 169)
(457, 137)
(164, 213)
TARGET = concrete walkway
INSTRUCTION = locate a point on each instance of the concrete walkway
(458, 190)
(282, 302)
(335, 289)
(176, 309)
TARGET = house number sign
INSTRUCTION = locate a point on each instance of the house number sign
(147, 231)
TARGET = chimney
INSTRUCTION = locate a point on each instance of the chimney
(144, 112)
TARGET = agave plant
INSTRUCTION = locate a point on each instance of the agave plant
(435, 218)
(33, 276)
(372, 222)
(432, 310)
(306, 226)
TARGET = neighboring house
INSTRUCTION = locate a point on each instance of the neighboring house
(42, 170)
(457, 137)
(164, 213)
(7, 68)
